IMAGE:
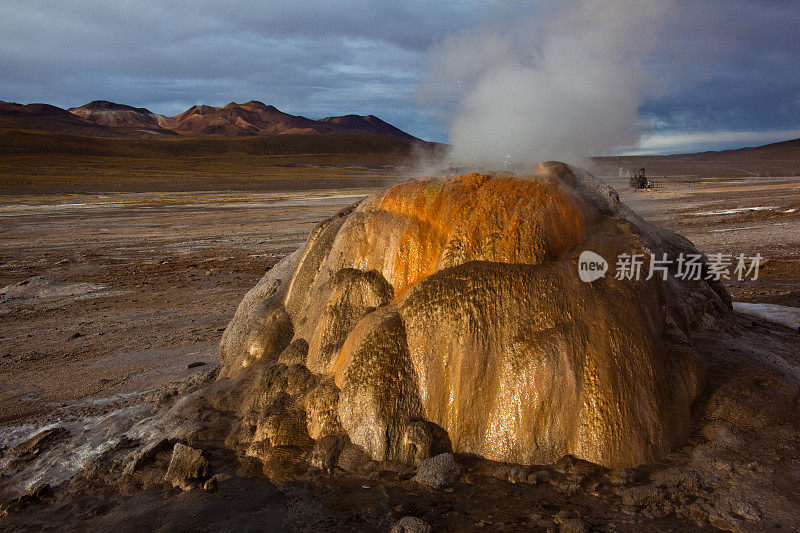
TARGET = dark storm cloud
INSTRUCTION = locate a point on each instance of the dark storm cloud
(311, 57)
(726, 68)
(723, 66)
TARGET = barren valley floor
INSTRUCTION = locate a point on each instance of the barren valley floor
(111, 296)
(121, 291)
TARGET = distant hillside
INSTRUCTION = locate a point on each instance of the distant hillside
(109, 119)
(775, 159)
(50, 118)
(137, 119)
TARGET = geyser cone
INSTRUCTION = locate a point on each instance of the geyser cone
(442, 313)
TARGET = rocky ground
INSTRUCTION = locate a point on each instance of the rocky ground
(113, 306)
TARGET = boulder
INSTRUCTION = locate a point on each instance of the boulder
(439, 471)
(352, 458)
(187, 468)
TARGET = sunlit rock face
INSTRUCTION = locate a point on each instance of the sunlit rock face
(448, 313)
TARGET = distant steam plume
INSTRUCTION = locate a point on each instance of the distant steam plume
(563, 86)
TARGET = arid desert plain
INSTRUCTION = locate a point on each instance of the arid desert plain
(114, 303)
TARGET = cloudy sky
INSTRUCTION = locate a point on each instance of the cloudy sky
(720, 74)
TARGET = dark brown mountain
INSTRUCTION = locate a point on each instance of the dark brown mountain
(251, 118)
(47, 118)
(367, 124)
(257, 118)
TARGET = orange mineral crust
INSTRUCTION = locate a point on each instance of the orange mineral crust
(418, 227)
(448, 314)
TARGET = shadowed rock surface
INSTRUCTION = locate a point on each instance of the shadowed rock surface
(448, 314)
(187, 467)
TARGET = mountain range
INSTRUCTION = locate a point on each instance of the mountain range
(108, 119)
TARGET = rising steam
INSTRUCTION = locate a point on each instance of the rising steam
(564, 86)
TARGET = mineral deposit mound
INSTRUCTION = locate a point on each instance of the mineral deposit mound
(448, 314)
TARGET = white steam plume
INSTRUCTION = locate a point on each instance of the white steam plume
(564, 86)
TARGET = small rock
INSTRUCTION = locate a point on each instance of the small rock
(565, 487)
(411, 524)
(144, 456)
(676, 477)
(629, 510)
(423, 440)
(326, 451)
(76, 335)
(501, 472)
(569, 523)
(532, 479)
(211, 484)
(564, 465)
(642, 495)
(593, 486)
(517, 474)
(746, 509)
(439, 471)
(572, 525)
(569, 464)
(40, 491)
(196, 364)
(577, 478)
(187, 468)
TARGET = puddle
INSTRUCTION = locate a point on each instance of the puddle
(736, 210)
(38, 292)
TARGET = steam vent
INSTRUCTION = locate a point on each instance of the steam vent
(448, 314)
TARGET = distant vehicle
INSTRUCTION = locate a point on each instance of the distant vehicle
(640, 181)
